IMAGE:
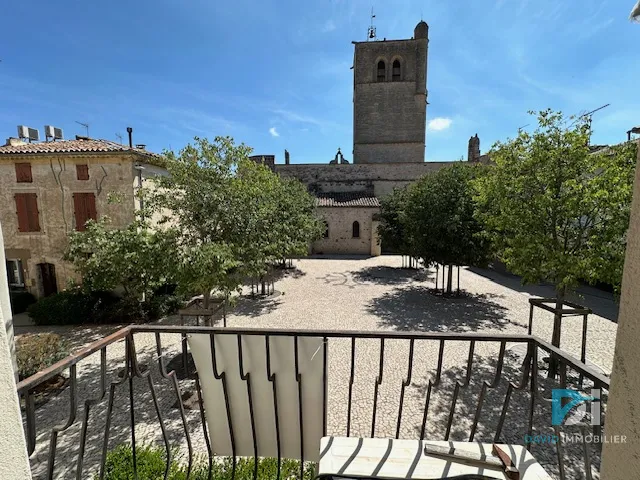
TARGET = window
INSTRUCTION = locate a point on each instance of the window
(27, 211)
(355, 229)
(15, 273)
(82, 172)
(326, 230)
(84, 205)
(396, 71)
(382, 73)
(23, 173)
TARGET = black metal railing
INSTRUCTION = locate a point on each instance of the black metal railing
(458, 386)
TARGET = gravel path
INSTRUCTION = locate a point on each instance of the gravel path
(354, 294)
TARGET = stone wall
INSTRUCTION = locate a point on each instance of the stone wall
(381, 178)
(341, 241)
(55, 182)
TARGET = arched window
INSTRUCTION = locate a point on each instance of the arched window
(382, 71)
(356, 229)
(396, 71)
(326, 230)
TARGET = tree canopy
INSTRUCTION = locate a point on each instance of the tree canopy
(134, 258)
(433, 219)
(230, 216)
(555, 209)
(215, 220)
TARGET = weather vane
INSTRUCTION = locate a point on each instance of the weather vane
(371, 31)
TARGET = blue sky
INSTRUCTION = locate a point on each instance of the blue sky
(275, 74)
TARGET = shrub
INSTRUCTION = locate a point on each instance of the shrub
(64, 308)
(37, 351)
(150, 462)
(75, 306)
(20, 300)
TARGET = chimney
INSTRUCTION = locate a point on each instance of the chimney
(286, 157)
(473, 154)
(141, 146)
(130, 132)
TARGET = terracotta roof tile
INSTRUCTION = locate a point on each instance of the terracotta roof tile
(71, 146)
(346, 199)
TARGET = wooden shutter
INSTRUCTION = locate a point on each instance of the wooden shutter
(82, 172)
(23, 173)
(27, 210)
(84, 205)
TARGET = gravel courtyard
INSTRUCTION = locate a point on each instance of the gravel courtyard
(375, 294)
(361, 294)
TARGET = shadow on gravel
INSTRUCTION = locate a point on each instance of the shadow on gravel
(382, 275)
(602, 303)
(256, 306)
(416, 309)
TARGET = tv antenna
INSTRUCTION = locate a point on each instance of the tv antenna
(589, 115)
(520, 128)
(371, 31)
(119, 137)
(85, 125)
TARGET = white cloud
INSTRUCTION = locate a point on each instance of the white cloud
(274, 132)
(439, 123)
(329, 26)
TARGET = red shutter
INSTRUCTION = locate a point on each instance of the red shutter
(21, 210)
(82, 172)
(27, 210)
(23, 173)
(85, 208)
(90, 205)
(32, 211)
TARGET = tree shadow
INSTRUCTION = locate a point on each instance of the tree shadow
(415, 309)
(602, 303)
(382, 275)
(289, 272)
(339, 257)
(76, 336)
(256, 306)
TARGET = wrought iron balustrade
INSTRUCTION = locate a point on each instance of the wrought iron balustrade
(140, 386)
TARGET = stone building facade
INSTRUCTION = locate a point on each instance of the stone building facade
(49, 189)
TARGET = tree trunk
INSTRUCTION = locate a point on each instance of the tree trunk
(450, 280)
(557, 328)
(224, 311)
(205, 300)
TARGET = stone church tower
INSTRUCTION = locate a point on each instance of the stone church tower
(390, 99)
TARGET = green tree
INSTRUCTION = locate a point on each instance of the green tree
(556, 211)
(297, 224)
(231, 217)
(134, 258)
(392, 228)
(198, 202)
(439, 223)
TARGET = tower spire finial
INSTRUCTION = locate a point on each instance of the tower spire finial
(371, 31)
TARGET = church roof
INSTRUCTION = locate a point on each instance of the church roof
(346, 199)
